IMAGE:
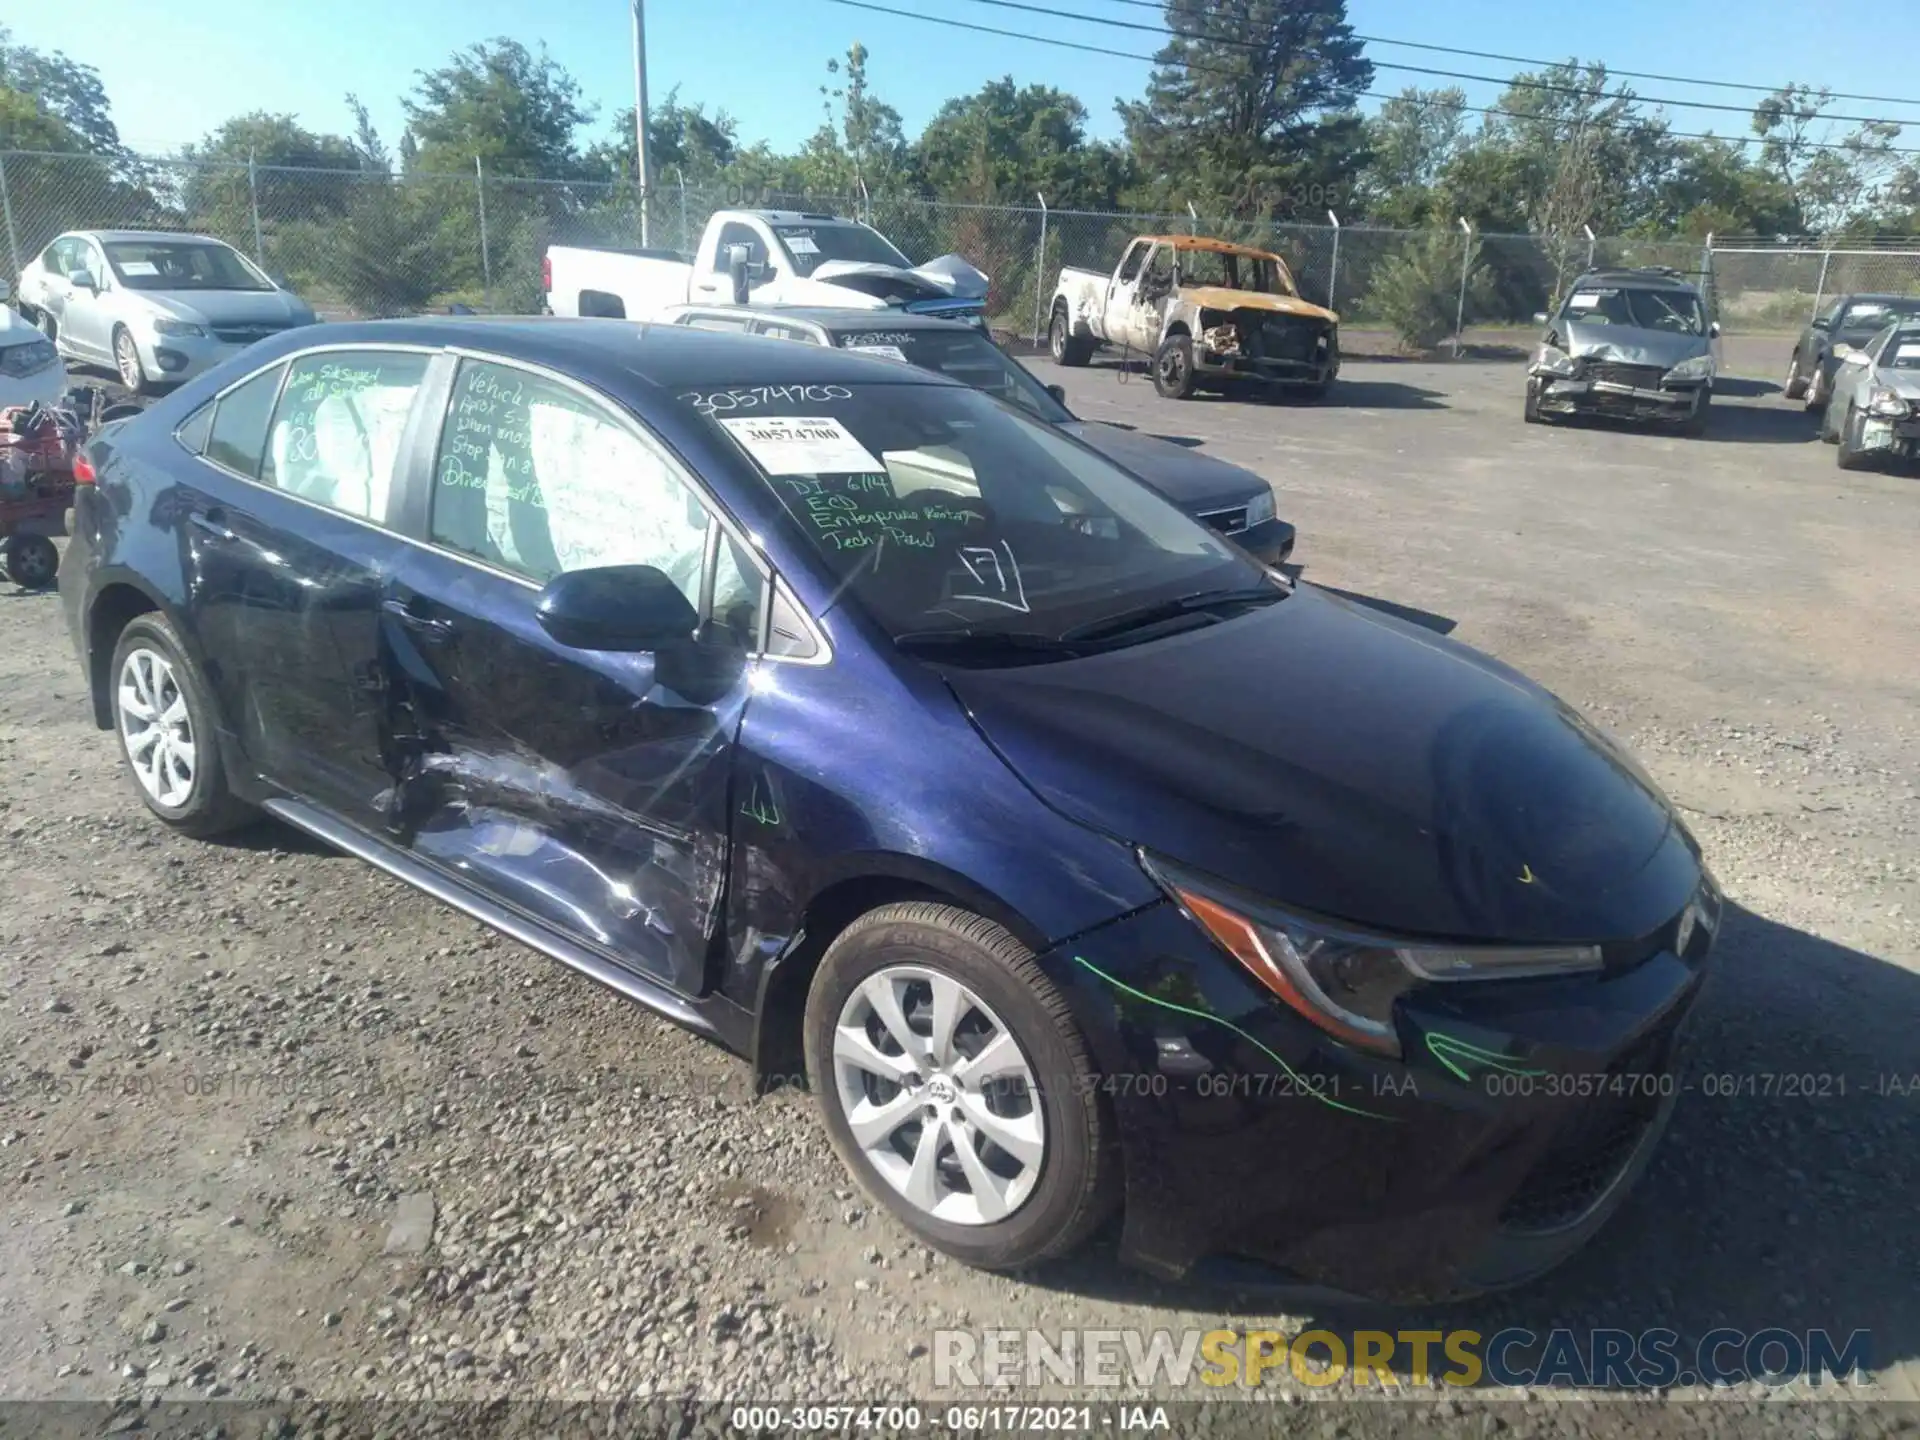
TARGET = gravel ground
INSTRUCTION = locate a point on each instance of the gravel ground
(277, 1128)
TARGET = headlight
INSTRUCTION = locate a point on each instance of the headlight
(1840, 352)
(1886, 404)
(1550, 360)
(1260, 509)
(164, 326)
(28, 359)
(1700, 367)
(1344, 980)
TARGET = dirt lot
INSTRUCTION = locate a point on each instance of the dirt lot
(224, 1065)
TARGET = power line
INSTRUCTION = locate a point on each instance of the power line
(1358, 94)
(1158, 6)
(1513, 82)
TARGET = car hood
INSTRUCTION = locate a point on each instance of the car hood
(1629, 345)
(1218, 297)
(14, 329)
(1182, 475)
(225, 307)
(1343, 762)
(947, 279)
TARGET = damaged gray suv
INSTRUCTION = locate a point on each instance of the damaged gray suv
(1632, 344)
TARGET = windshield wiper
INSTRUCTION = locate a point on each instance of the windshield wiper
(982, 644)
(1165, 610)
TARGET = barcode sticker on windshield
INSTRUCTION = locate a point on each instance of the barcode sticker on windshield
(138, 267)
(892, 352)
(803, 445)
(802, 245)
(1907, 352)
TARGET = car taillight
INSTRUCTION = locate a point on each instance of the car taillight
(83, 471)
(546, 273)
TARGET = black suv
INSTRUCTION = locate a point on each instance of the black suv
(1634, 344)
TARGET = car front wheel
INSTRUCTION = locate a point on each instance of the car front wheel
(165, 723)
(957, 1088)
(1795, 387)
(126, 360)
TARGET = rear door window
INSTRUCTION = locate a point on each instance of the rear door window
(335, 438)
(240, 423)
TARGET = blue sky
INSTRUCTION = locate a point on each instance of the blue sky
(174, 78)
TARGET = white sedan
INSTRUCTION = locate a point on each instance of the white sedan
(30, 367)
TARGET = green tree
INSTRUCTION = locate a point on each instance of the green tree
(1410, 142)
(64, 89)
(515, 109)
(679, 137)
(1007, 144)
(1249, 107)
(278, 146)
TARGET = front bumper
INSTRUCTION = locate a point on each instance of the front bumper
(1270, 542)
(1559, 395)
(172, 359)
(1888, 436)
(1518, 1120)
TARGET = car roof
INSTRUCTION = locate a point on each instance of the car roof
(1218, 247)
(185, 237)
(1648, 279)
(833, 317)
(614, 353)
(1848, 299)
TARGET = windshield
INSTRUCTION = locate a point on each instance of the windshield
(1234, 272)
(1902, 351)
(811, 246)
(1675, 311)
(1868, 316)
(181, 265)
(966, 356)
(946, 515)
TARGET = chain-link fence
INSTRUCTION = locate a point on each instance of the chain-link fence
(367, 243)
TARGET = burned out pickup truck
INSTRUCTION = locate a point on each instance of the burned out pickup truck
(1207, 312)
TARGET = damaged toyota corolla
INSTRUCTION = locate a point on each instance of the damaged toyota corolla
(1631, 344)
(905, 745)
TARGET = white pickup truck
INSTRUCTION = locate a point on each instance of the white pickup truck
(771, 257)
(1204, 312)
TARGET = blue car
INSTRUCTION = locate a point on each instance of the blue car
(908, 747)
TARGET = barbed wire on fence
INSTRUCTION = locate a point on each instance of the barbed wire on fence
(367, 243)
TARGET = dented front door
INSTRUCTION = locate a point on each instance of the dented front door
(587, 789)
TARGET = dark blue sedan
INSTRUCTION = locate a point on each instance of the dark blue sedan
(899, 741)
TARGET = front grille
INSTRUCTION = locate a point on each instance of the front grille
(245, 334)
(1587, 1157)
(1227, 522)
(1643, 377)
(1286, 338)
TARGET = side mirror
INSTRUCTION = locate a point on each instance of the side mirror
(737, 272)
(1713, 330)
(621, 608)
(83, 280)
(1854, 357)
(1539, 317)
(1059, 394)
(1820, 322)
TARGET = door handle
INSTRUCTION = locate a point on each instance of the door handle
(213, 521)
(427, 627)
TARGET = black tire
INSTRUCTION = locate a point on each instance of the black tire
(1066, 347)
(1849, 456)
(1173, 375)
(1796, 384)
(126, 362)
(209, 807)
(1078, 1183)
(1828, 434)
(1695, 425)
(33, 562)
(1819, 390)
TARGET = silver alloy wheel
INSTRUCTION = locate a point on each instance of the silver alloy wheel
(939, 1096)
(156, 727)
(127, 356)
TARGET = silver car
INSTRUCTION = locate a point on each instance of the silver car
(156, 306)
(1873, 410)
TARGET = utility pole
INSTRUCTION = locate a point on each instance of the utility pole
(640, 109)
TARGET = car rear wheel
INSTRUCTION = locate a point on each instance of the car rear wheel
(165, 723)
(32, 561)
(1066, 347)
(956, 1087)
(1795, 387)
(126, 359)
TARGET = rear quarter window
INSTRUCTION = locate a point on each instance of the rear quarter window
(193, 431)
(240, 418)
